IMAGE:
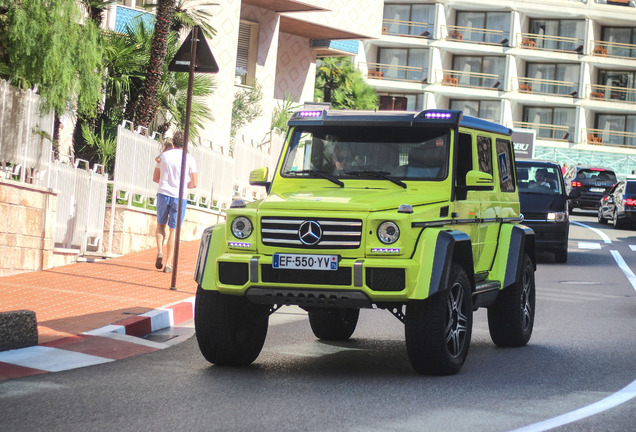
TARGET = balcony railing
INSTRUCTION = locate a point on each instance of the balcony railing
(547, 87)
(617, 2)
(550, 43)
(476, 35)
(469, 79)
(613, 138)
(613, 49)
(395, 27)
(606, 92)
(548, 131)
(396, 72)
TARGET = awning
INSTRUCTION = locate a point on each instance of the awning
(284, 5)
(312, 30)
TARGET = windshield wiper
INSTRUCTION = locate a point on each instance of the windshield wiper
(320, 174)
(382, 174)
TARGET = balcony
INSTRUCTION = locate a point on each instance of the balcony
(606, 92)
(548, 131)
(613, 49)
(476, 35)
(474, 80)
(612, 138)
(550, 43)
(396, 72)
(547, 87)
(394, 27)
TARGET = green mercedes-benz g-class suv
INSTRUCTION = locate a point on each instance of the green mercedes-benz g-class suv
(413, 212)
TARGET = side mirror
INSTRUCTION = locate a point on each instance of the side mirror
(258, 177)
(479, 181)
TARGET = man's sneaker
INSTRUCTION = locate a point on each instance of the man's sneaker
(159, 261)
(168, 269)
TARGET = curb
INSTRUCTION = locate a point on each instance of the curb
(106, 344)
(157, 319)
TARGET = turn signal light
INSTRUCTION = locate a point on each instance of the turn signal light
(576, 184)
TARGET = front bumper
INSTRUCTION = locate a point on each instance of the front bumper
(549, 236)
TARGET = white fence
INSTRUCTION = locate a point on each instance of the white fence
(26, 155)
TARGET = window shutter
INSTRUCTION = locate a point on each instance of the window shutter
(243, 50)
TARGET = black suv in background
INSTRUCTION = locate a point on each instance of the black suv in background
(592, 183)
(619, 205)
(544, 205)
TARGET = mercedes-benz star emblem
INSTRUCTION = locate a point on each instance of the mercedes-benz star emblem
(309, 232)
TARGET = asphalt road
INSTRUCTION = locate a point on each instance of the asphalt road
(578, 364)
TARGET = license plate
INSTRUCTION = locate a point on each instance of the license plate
(305, 262)
(597, 189)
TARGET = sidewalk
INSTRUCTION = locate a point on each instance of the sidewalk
(81, 297)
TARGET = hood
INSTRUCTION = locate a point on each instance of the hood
(353, 198)
(541, 203)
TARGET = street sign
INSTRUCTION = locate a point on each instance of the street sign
(203, 60)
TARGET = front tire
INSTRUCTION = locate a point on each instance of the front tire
(511, 318)
(601, 219)
(333, 324)
(438, 329)
(230, 330)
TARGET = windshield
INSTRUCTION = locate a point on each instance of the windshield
(539, 179)
(368, 152)
(599, 175)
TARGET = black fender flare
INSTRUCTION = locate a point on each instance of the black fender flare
(521, 242)
(451, 246)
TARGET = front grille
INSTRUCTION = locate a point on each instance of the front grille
(342, 276)
(386, 279)
(336, 233)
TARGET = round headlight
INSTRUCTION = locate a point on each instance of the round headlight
(241, 227)
(388, 232)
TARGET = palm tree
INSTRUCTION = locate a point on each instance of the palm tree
(341, 84)
(147, 104)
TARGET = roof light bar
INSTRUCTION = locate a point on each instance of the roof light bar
(309, 114)
(438, 115)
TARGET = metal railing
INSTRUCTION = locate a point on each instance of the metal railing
(611, 138)
(547, 87)
(395, 27)
(469, 79)
(550, 43)
(613, 49)
(549, 131)
(476, 35)
(396, 72)
(615, 94)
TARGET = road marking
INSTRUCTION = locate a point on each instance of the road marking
(589, 245)
(631, 277)
(600, 233)
(632, 247)
(609, 402)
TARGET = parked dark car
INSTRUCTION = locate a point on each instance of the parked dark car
(619, 205)
(592, 183)
(544, 205)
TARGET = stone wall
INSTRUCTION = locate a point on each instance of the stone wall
(134, 228)
(27, 228)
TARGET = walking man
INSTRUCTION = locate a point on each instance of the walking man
(168, 175)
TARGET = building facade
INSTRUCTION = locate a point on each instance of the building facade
(565, 69)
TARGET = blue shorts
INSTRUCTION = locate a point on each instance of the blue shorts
(167, 210)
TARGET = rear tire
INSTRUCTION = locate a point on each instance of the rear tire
(618, 224)
(230, 330)
(438, 329)
(333, 324)
(511, 318)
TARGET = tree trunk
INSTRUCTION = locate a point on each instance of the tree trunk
(147, 104)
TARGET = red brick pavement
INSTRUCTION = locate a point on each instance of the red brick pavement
(80, 297)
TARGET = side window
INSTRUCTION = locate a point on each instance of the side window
(465, 157)
(504, 162)
(484, 154)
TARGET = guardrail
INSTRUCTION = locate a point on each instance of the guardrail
(613, 49)
(396, 72)
(615, 94)
(395, 27)
(550, 43)
(469, 79)
(547, 87)
(476, 35)
(549, 131)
